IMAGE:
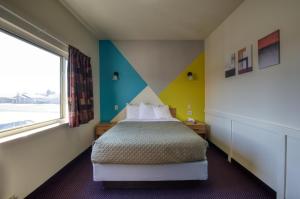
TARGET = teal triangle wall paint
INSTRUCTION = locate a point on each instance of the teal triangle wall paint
(116, 92)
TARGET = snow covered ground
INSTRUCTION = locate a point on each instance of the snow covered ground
(16, 115)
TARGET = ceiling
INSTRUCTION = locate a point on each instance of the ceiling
(151, 19)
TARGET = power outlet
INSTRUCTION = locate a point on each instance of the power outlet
(13, 197)
(189, 113)
(116, 107)
(189, 106)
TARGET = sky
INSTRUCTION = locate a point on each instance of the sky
(26, 68)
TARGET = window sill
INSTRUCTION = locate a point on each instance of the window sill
(31, 132)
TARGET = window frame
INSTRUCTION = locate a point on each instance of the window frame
(63, 86)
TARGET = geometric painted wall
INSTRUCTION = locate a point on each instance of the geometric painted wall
(153, 72)
(116, 92)
(187, 95)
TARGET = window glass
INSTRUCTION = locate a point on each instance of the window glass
(30, 83)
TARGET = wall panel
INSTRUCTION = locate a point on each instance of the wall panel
(270, 151)
(220, 131)
(293, 167)
(261, 152)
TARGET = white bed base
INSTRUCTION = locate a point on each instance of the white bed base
(164, 172)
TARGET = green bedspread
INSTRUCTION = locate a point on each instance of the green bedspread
(162, 142)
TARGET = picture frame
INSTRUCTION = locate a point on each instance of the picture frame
(230, 65)
(269, 50)
(245, 60)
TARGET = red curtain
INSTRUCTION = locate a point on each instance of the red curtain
(80, 88)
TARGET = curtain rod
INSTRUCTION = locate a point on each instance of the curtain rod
(34, 26)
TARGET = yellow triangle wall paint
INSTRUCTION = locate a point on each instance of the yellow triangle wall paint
(181, 92)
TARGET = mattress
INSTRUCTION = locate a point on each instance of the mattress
(152, 142)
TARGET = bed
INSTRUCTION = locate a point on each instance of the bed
(149, 150)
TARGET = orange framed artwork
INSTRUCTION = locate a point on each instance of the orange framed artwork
(269, 50)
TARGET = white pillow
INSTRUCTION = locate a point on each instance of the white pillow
(146, 112)
(132, 111)
(162, 112)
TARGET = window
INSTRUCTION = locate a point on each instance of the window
(31, 84)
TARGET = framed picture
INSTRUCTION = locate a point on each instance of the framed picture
(269, 50)
(230, 65)
(245, 60)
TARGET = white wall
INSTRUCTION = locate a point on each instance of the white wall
(271, 94)
(260, 108)
(26, 163)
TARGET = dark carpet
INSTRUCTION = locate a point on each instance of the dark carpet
(226, 181)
